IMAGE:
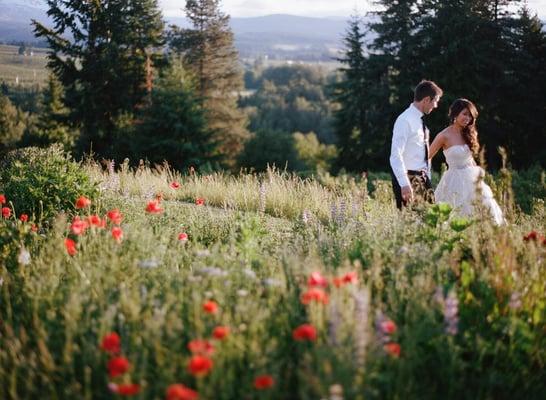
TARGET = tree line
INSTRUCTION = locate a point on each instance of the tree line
(125, 85)
(492, 52)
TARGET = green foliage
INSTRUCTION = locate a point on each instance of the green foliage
(469, 318)
(529, 185)
(173, 127)
(12, 126)
(379, 78)
(51, 125)
(43, 182)
(106, 69)
(315, 155)
(209, 53)
(292, 99)
(269, 147)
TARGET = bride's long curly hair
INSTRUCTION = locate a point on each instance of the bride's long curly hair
(470, 133)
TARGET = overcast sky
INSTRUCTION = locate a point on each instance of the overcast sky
(312, 8)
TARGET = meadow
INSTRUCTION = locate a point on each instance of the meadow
(160, 284)
(23, 70)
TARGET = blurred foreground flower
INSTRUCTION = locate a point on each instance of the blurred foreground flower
(175, 185)
(70, 246)
(6, 212)
(118, 366)
(124, 389)
(23, 217)
(210, 307)
(305, 332)
(392, 349)
(262, 382)
(78, 226)
(316, 279)
(111, 343)
(82, 202)
(2, 199)
(200, 201)
(178, 391)
(314, 294)
(153, 207)
(115, 216)
(220, 332)
(24, 257)
(183, 237)
(200, 365)
(199, 346)
(117, 234)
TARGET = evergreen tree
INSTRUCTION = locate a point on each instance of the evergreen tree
(173, 126)
(102, 52)
(51, 125)
(209, 52)
(11, 124)
(350, 93)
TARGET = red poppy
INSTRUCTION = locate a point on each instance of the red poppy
(183, 237)
(125, 389)
(6, 212)
(117, 233)
(388, 327)
(2, 199)
(115, 216)
(34, 228)
(95, 220)
(350, 277)
(264, 382)
(316, 279)
(23, 217)
(153, 207)
(118, 366)
(305, 332)
(181, 392)
(111, 343)
(70, 246)
(534, 236)
(314, 294)
(78, 226)
(393, 349)
(198, 346)
(200, 201)
(199, 365)
(175, 185)
(210, 307)
(83, 202)
(220, 332)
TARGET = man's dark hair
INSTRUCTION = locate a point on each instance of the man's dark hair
(427, 89)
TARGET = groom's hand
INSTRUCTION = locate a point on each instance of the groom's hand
(407, 194)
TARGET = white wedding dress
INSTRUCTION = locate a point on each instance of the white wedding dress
(458, 185)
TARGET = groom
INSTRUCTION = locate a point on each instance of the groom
(410, 144)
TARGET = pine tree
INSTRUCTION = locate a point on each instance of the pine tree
(11, 124)
(209, 53)
(51, 125)
(173, 127)
(105, 66)
(350, 94)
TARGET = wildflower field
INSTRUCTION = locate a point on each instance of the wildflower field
(160, 285)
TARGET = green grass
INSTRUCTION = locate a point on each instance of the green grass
(252, 251)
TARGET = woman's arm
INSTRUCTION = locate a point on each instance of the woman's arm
(436, 145)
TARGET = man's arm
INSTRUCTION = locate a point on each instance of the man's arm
(399, 138)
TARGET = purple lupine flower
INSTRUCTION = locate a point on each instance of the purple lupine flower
(451, 311)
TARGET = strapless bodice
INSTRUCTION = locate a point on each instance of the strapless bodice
(459, 156)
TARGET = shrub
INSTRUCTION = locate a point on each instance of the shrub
(43, 181)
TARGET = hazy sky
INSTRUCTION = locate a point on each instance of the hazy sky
(315, 8)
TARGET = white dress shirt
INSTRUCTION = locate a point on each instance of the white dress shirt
(408, 145)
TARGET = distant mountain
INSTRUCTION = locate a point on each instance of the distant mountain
(274, 36)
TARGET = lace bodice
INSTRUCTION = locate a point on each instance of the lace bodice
(459, 156)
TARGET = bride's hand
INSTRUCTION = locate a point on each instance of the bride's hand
(407, 194)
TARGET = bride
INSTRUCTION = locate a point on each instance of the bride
(464, 179)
